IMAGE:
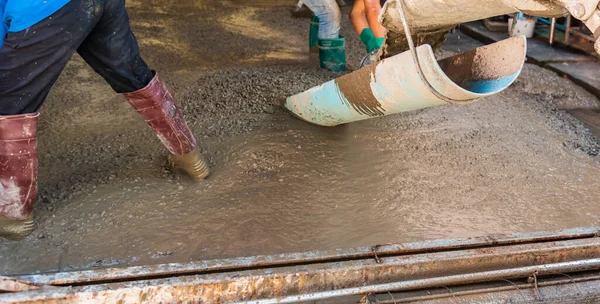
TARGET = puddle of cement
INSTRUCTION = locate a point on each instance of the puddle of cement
(440, 173)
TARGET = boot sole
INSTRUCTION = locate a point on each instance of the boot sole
(14, 230)
(195, 167)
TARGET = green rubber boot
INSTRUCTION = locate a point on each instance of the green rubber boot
(332, 54)
(313, 37)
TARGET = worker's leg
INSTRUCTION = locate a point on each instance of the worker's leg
(361, 21)
(362, 17)
(329, 16)
(358, 17)
(300, 11)
(373, 9)
(112, 51)
(30, 62)
(331, 46)
(18, 174)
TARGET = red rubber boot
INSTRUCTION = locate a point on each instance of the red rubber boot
(156, 105)
(18, 174)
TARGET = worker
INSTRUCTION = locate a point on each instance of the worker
(364, 17)
(37, 39)
(326, 26)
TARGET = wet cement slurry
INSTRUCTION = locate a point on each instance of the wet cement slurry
(517, 161)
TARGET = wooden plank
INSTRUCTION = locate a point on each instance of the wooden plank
(585, 74)
(538, 52)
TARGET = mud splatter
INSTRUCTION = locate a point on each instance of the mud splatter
(356, 89)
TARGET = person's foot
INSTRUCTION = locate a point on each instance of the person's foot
(157, 107)
(12, 229)
(332, 54)
(370, 58)
(192, 163)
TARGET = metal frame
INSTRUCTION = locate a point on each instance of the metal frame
(310, 276)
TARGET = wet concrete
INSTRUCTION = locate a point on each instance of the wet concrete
(513, 162)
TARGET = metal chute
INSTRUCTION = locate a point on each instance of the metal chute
(400, 83)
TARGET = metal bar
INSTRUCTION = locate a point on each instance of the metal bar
(281, 260)
(586, 265)
(581, 292)
(568, 29)
(513, 287)
(291, 281)
(12, 285)
(552, 29)
(548, 21)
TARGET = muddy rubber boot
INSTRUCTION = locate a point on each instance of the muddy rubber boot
(332, 54)
(18, 174)
(156, 105)
(313, 35)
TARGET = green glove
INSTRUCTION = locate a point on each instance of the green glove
(370, 41)
(379, 42)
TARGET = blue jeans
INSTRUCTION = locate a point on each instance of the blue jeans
(329, 16)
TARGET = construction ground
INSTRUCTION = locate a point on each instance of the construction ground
(518, 161)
